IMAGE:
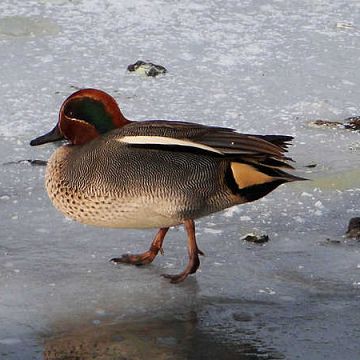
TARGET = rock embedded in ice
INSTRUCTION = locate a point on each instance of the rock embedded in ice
(256, 239)
(325, 124)
(147, 68)
(352, 123)
(353, 230)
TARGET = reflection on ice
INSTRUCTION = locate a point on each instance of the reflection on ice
(182, 338)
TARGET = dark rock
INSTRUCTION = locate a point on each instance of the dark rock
(326, 124)
(256, 239)
(147, 68)
(352, 123)
(353, 230)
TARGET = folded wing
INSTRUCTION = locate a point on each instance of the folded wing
(266, 150)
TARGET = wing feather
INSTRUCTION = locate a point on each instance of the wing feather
(267, 150)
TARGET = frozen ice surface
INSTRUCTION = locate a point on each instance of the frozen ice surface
(257, 66)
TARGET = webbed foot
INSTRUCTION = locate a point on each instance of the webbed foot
(148, 256)
(194, 253)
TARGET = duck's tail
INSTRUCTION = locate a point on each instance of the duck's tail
(252, 181)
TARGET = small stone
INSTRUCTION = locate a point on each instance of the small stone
(325, 124)
(353, 230)
(147, 68)
(352, 123)
(256, 239)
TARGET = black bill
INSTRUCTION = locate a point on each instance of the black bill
(53, 135)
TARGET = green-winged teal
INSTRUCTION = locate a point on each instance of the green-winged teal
(154, 174)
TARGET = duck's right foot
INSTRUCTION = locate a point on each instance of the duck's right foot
(136, 259)
(148, 256)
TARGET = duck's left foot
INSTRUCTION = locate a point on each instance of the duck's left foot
(191, 268)
(194, 253)
(148, 256)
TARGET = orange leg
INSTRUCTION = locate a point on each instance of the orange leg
(146, 257)
(193, 252)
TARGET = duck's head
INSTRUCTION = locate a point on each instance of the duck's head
(83, 116)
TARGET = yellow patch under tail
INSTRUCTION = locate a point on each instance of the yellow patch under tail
(247, 175)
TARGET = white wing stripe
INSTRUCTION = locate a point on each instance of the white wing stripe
(162, 140)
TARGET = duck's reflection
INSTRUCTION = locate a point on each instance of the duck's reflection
(185, 337)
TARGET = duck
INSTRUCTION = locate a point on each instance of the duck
(119, 173)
